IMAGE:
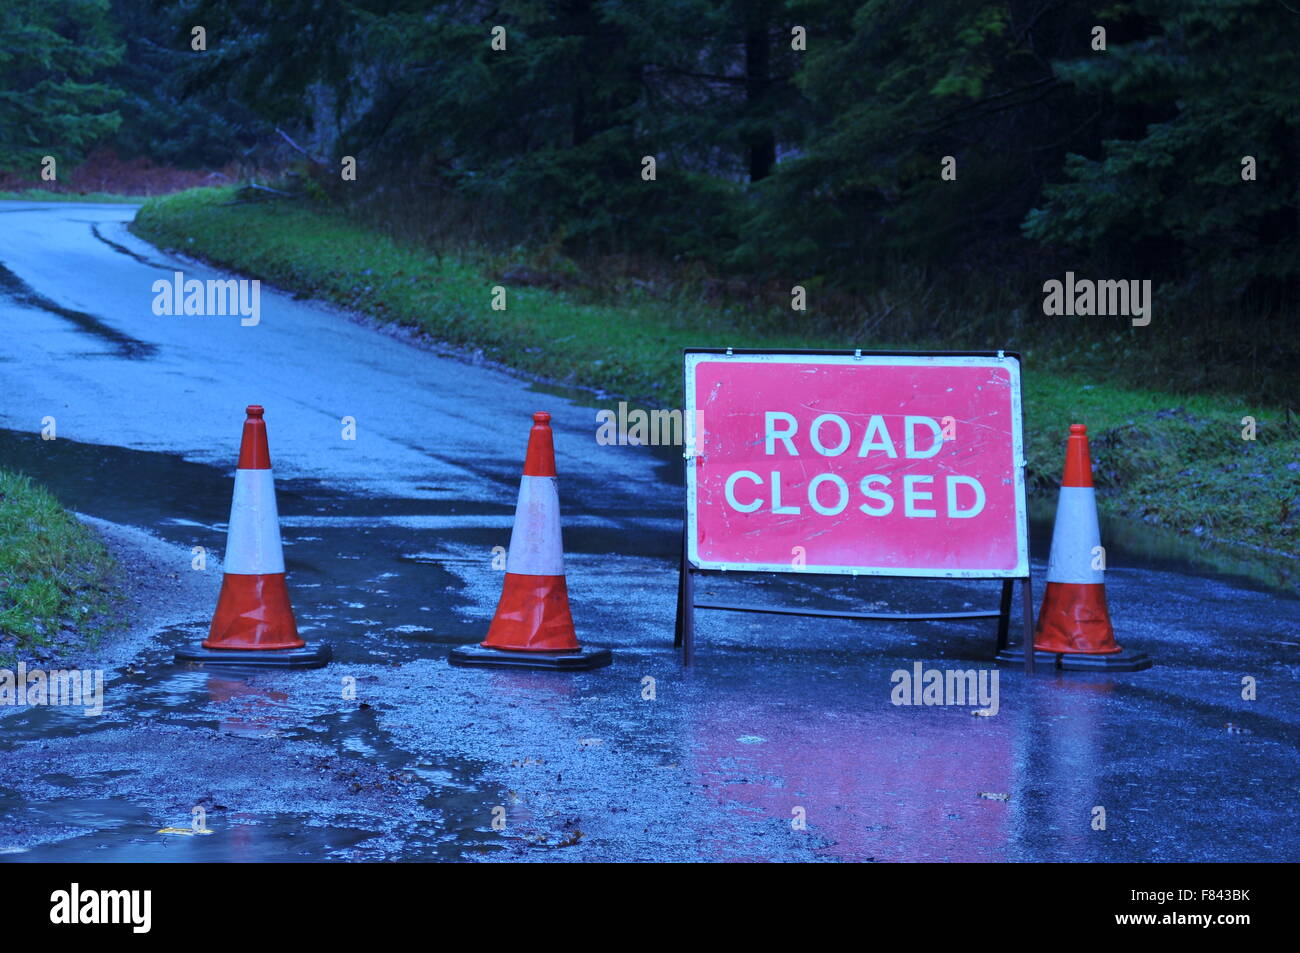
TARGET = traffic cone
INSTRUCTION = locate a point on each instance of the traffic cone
(1074, 631)
(254, 623)
(533, 627)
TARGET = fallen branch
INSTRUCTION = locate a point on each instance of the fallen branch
(299, 149)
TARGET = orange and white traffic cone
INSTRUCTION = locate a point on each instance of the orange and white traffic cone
(1074, 631)
(533, 627)
(254, 623)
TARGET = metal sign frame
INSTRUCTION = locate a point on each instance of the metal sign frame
(691, 565)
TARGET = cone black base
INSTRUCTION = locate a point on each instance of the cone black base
(313, 655)
(588, 657)
(1123, 661)
(1015, 655)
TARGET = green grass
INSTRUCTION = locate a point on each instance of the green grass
(54, 572)
(1175, 460)
(44, 195)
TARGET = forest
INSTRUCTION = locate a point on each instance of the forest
(921, 169)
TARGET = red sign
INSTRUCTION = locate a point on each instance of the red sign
(855, 463)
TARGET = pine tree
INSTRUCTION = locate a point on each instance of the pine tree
(50, 100)
(1218, 81)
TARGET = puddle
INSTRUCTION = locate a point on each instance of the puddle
(1137, 545)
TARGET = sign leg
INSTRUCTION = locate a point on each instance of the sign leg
(1027, 591)
(681, 597)
(688, 621)
(1004, 613)
(684, 635)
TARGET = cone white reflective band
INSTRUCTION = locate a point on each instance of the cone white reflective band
(535, 545)
(253, 539)
(1075, 537)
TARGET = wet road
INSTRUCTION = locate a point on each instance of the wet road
(389, 546)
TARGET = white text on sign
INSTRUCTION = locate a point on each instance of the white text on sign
(829, 494)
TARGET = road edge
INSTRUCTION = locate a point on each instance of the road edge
(156, 587)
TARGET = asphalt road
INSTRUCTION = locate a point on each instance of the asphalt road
(389, 545)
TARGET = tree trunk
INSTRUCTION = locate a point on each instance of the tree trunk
(761, 143)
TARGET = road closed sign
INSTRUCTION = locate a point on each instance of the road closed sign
(885, 464)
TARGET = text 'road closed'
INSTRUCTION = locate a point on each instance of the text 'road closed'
(829, 494)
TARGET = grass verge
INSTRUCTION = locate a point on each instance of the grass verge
(54, 574)
(1176, 460)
